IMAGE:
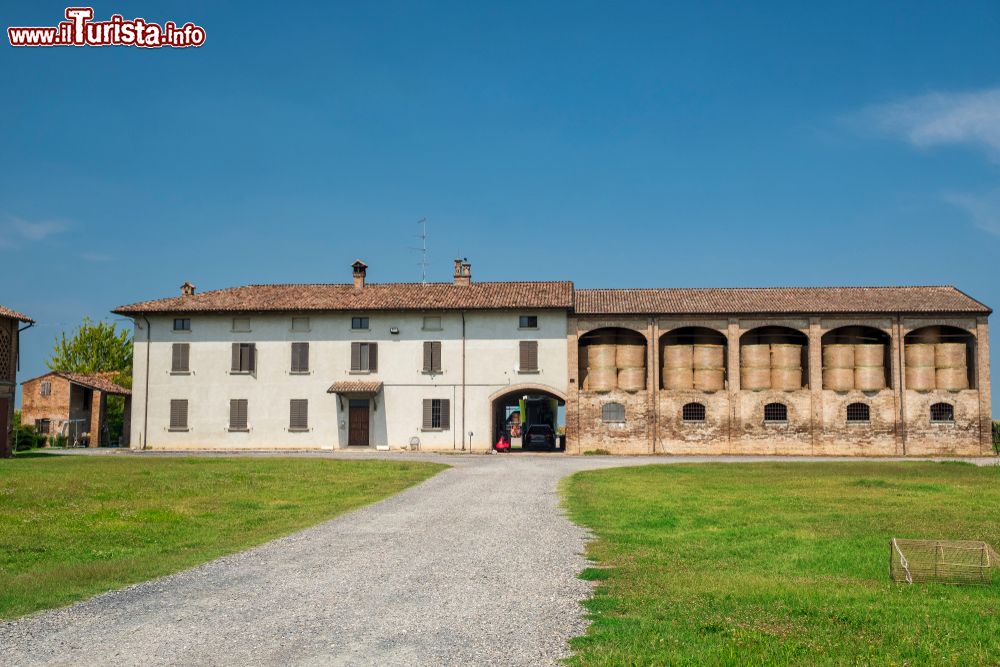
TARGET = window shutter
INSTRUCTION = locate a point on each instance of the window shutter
(178, 413)
(445, 413)
(355, 356)
(436, 355)
(180, 357)
(236, 358)
(252, 357)
(428, 413)
(372, 357)
(428, 355)
(298, 414)
(238, 413)
(529, 355)
(300, 357)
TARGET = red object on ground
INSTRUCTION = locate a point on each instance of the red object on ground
(503, 444)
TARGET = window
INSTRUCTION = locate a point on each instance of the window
(364, 357)
(45, 388)
(182, 324)
(241, 324)
(359, 323)
(528, 357)
(432, 356)
(42, 426)
(858, 413)
(180, 358)
(178, 414)
(238, 414)
(437, 414)
(693, 412)
(244, 358)
(300, 357)
(298, 417)
(775, 413)
(432, 323)
(942, 413)
(612, 412)
(300, 324)
(527, 322)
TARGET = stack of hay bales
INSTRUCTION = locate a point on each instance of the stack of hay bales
(678, 367)
(786, 366)
(920, 366)
(951, 372)
(708, 366)
(755, 367)
(630, 359)
(854, 366)
(838, 367)
(869, 367)
(602, 372)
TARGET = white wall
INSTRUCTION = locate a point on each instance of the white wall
(491, 356)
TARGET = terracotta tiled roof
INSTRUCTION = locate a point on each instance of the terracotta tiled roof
(392, 296)
(939, 299)
(98, 381)
(14, 315)
(355, 387)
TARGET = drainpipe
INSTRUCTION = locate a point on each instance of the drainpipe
(902, 381)
(18, 360)
(463, 385)
(145, 398)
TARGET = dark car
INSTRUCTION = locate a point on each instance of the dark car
(539, 435)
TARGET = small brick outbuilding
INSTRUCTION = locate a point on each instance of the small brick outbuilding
(74, 405)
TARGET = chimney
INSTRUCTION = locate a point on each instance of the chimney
(359, 274)
(187, 289)
(463, 272)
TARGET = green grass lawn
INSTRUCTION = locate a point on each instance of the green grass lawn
(782, 563)
(74, 526)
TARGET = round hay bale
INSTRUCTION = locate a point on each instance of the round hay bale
(755, 356)
(838, 379)
(632, 379)
(677, 356)
(867, 354)
(678, 378)
(786, 355)
(949, 355)
(786, 379)
(584, 379)
(755, 379)
(709, 379)
(838, 356)
(869, 378)
(708, 357)
(919, 355)
(630, 355)
(921, 378)
(602, 379)
(952, 379)
(601, 355)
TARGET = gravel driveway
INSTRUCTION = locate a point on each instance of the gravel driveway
(475, 566)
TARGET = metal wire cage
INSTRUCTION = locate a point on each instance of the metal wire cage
(941, 561)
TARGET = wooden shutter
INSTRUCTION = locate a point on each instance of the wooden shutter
(355, 356)
(238, 414)
(236, 358)
(529, 355)
(445, 413)
(428, 413)
(178, 413)
(252, 357)
(180, 357)
(372, 357)
(428, 356)
(298, 414)
(300, 357)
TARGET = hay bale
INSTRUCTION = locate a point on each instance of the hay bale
(838, 379)
(677, 356)
(602, 379)
(708, 357)
(755, 379)
(786, 355)
(632, 379)
(755, 356)
(786, 379)
(678, 378)
(921, 378)
(869, 378)
(838, 356)
(952, 379)
(949, 355)
(602, 355)
(630, 355)
(919, 355)
(709, 379)
(867, 354)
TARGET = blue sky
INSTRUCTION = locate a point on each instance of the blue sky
(614, 144)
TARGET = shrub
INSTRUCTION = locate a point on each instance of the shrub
(24, 437)
(996, 437)
(597, 452)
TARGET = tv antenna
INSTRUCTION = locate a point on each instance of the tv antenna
(423, 250)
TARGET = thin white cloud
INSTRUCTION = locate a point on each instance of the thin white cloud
(16, 231)
(942, 119)
(984, 209)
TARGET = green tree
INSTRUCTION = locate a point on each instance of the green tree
(97, 348)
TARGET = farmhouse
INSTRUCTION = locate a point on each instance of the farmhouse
(10, 322)
(73, 405)
(456, 366)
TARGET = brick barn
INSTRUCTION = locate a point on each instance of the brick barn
(10, 329)
(74, 405)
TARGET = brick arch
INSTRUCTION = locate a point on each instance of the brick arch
(527, 388)
(641, 330)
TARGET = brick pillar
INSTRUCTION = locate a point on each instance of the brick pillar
(97, 405)
(652, 406)
(815, 356)
(896, 353)
(733, 381)
(983, 384)
(901, 360)
(573, 445)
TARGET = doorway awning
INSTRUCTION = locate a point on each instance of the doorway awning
(356, 387)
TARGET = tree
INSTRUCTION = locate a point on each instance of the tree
(97, 348)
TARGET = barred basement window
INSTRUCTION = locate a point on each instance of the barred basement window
(858, 413)
(693, 412)
(775, 413)
(612, 413)
(298, 417)
(238, 414)
(178, 414)
(942, 413)
(45, 388)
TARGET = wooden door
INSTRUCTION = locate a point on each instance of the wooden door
(5, 439)
(357, 424)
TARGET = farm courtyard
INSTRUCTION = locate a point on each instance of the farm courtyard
(478, 560)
